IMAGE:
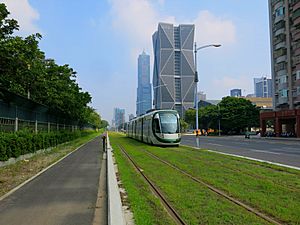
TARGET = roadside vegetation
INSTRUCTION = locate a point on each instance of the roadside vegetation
(236, 115)
(25, 71)
(272, 190)
(15, 174)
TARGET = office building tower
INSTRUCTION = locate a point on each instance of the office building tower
(236, 93)
(144, 93)
(284, 18)
(119, 118)
(174, 70)
(263, 87)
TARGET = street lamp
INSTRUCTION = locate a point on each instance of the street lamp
(196, 77)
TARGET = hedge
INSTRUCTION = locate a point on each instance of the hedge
(23, 142)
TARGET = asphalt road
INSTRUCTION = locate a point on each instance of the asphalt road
(65, 194)
(279, 151)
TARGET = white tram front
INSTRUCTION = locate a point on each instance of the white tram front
(159, 127)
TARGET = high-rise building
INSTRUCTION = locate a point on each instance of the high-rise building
(284, 17)
(236, 93)
(201, 96)
(285, 52)
(174, 70)
(144, 94)
(119, 117)
(130, 117)
(263, 87)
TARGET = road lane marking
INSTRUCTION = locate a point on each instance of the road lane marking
(245, 157)
(214, 144)
(256, 150)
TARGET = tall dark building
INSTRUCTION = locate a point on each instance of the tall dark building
(144, 94)
(236, 93)
(174, 70)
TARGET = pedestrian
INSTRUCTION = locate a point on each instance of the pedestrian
(104, 142)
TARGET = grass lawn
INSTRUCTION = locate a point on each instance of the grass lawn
(273, 190)
(15, 174)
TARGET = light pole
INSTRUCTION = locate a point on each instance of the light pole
(219, 120)
(196, 77)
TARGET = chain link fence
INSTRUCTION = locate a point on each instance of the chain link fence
(18, 113)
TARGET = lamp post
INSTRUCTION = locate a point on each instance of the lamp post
(196, 78)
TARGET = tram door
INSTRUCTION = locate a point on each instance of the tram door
(142, 130)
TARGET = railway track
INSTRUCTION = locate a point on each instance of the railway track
(217, 191)
(171, 211)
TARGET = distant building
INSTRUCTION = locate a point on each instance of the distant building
(131, 116)
(236, 93)
(144, 94)
(263, 87)
(119, 117)
(174, 70)
(265, 103)
(201, 96)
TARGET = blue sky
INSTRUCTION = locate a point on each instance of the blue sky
(101, 40)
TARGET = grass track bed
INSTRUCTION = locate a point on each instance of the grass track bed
(198, 205)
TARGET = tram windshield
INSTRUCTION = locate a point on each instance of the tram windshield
(169, 123)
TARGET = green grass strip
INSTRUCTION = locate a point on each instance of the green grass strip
(194, 202)
(144, 205)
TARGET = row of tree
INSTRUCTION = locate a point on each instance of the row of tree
(234, 114)
(25, 70)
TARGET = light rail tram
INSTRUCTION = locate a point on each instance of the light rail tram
(158, 127)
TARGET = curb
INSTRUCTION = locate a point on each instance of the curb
(115, 212)
(42, 171)
(245, 157)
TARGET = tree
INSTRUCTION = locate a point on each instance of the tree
(7, 26)
(24, 70)
(237, 114)
(184, 125)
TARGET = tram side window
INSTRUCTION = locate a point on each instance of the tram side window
(156, 125)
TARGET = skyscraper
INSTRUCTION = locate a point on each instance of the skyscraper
(119, 117)
(174, 70)
(263, 87)
(235, 92)
(144, 94)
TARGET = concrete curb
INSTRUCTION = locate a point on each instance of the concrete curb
(115, 212)
(42, 171)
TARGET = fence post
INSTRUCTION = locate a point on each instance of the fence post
(57, 126)
(48, 127)
(16, 121)
(16, 124)
(36, 126)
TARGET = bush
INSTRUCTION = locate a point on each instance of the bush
(23, 142)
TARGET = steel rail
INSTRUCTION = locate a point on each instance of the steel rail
(221, 193)
(172, 212)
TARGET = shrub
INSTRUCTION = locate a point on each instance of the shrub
(23, 142)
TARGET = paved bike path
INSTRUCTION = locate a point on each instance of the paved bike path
(65, 194)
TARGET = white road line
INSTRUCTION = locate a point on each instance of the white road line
(256, 150)
(214, 144)
(245, 157)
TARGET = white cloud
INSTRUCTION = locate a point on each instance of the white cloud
(213, 29)
(23, 12)
(136, 20)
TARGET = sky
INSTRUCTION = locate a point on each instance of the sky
(101, 40)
